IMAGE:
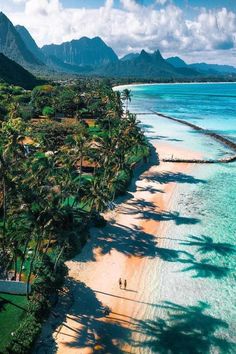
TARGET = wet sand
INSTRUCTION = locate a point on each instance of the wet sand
(127, 248)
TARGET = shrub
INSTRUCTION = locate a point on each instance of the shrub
(48, 111)
(122, 182)
(48, 281)
(24, 336)
(39, 306)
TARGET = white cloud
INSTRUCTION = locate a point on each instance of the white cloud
(19, 1)
(161, 2)
(130, 5)
(133, 27)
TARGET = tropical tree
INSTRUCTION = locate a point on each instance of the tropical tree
(49, 111)
(126, 96)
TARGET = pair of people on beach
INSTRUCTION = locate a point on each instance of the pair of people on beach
(120, 283)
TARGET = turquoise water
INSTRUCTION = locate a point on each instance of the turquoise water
(212, 106)
(197, 292)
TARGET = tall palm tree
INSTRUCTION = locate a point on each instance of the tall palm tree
(126, 96)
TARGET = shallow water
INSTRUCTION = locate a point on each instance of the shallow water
(194, 290)
(212, 106)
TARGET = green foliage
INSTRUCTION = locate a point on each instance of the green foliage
(48, 111)
(42, 96)
(24, 336)
(122, 181)
(26, 112)
(69, 174)
(66, 102)
(12, 312)
(13, 73)
(39, 306)
(3, 111)
(48, 281)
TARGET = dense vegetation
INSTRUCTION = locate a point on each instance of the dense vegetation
(57, 174)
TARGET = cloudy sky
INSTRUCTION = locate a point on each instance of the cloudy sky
(196, 30)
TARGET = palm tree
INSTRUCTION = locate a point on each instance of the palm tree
(77, 101)
(126, 96)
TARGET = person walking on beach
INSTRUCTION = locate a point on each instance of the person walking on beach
(120, 283)
(125, 284)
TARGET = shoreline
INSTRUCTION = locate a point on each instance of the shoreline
(117, 87)
(125, 248)
(137, 244)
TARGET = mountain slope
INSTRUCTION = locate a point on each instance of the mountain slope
(52, 62)
(145, 66)
(213, 68)
(177, 62)
(130, 56)
(82, 52)
(12, 45)
(30, 42)
(13, 73)
(204, 68)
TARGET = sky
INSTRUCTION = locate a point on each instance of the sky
(195, 30)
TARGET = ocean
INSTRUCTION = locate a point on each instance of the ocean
(196, 293)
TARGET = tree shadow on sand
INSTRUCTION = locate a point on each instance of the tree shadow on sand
(131, 241)
(168, 177)
(162, 137)
(147, 210)
(85, 325)
(169, 216)
(206, 244)
(185, 330)
(135, 206)
(150, 189)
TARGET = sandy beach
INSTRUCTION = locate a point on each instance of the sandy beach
(101, 316)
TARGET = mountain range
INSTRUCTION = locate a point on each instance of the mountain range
(13, 46)
(209, 69)
(146, 66)
(93, 57)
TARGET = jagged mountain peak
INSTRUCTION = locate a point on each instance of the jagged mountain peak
(3, 17)
(12, 45)
(81, 52)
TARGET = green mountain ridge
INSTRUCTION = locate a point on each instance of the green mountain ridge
(30, 43)
(13, 73)
(203, 68)
(129, 56)
(145, 66)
